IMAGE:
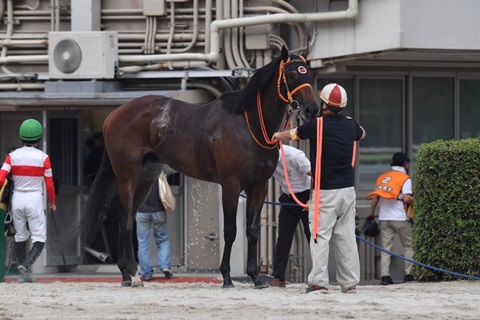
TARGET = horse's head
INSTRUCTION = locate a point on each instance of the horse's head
(295, 84)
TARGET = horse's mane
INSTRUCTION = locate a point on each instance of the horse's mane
(245, 99)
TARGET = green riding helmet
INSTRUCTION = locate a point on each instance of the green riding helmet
(31, 130)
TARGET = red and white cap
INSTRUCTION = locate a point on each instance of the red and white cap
(334, 95)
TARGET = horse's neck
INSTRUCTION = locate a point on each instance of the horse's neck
(273, 112)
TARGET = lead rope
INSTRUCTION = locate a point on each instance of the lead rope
(318, 176)
(287, 179)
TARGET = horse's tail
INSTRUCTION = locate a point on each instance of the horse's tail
(102, 192)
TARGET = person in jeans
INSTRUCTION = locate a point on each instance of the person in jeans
(298, 168)
(153, 214)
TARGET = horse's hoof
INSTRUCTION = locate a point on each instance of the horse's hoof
(261, 286)
(228, 286)
(126, 283)
(138, 284)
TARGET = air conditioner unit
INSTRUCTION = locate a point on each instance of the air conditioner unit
(82, 55)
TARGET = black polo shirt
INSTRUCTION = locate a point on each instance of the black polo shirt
(339, 134)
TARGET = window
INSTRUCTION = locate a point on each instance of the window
(381, 105)
(469, 109)
(433, 105)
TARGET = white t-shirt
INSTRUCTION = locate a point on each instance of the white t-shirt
(297, 166)
(394, 209)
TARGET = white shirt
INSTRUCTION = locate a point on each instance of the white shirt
(297, 166)
(392, 209)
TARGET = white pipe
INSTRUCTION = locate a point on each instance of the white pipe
(29, 7)
(57, 15)
(12, 43)
(218, 25)
(8, 34)
(234, 40)
(208, 20)
(227, 37)
(221, 62)
(195, 28)
(299, 27)
(147, 34)
(52, 15)
(172, 31)
(21, 86)
(41, 58)
(242, 39)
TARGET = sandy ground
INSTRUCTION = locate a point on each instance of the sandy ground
(64, 300)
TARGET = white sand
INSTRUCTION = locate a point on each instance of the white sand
(444, 300)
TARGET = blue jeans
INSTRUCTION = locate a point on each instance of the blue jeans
(145, 221)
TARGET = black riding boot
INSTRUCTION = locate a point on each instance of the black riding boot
(32, 256)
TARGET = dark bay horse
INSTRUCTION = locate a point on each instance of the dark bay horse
(226, 141)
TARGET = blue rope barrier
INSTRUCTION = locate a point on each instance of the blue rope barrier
(389, 252)
(416, 262)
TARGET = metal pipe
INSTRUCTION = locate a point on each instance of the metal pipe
(234, 39)
(227, 37)
(9, 33)
(13, 43)
(208, 20)
(57, 15)
(242, 39)
(195, 28)
(21, 86)
(218, 25)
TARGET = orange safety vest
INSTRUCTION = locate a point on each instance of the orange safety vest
(389, 185)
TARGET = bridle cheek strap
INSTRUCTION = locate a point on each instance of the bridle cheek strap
(281, 76)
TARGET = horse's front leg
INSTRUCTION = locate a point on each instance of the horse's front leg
(255, 199)
(230, 205)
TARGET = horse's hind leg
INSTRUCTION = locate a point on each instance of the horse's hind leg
(126, 261)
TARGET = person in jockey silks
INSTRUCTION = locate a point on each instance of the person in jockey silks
(299, 174)
(393, 193)
(30, 167)
(335, 218)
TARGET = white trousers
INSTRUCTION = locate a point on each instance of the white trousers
(336, 223)
(28, 207)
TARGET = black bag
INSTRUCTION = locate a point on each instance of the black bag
(370, 227)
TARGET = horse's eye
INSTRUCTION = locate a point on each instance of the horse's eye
(292, 75)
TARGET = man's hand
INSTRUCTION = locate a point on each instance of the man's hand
(53, 208)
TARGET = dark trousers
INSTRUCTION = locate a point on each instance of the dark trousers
(288, 220)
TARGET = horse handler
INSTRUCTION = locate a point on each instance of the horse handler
(30, 167)
(334, 135)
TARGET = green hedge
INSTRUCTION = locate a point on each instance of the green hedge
(446, 231)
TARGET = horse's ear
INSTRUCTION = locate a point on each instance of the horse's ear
(306, 52)
(284, 54)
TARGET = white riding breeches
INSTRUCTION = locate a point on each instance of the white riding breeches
(28, 207)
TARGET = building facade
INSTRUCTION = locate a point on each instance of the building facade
(410, 68)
